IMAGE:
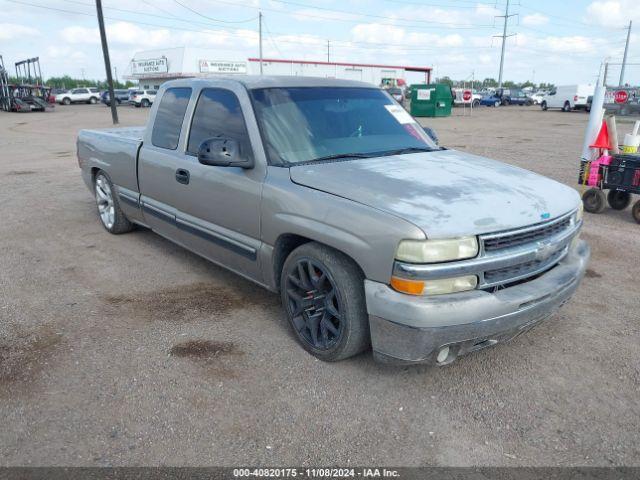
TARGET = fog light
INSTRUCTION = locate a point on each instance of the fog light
(443, 354)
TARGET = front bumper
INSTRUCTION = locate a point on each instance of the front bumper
(413, 329)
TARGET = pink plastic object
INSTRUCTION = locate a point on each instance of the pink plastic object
(594, 171)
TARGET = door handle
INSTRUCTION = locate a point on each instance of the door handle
(182, 176)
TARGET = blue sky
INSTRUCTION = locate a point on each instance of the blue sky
(555, 41)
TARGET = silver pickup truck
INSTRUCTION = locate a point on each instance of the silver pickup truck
(330, 193)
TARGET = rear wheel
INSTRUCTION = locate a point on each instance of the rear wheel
(93, 100)
(111, 216)
(618, 200)
(544, 106)
(145, 103)
(475, 103)
(66, 101)
(496, 103)
(323, 295)
(566, 107)
(594, 200)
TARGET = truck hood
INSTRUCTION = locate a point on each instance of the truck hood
(445, 193)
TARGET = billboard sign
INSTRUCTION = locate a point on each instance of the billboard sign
(149, 66)
(219, 66)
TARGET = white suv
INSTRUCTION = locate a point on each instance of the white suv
(142, 98)
(79, 95)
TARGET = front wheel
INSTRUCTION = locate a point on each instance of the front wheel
(111, 216)
(618, 200)
(93, 100)
(543, 106)
(146, 103)
(323, 295)
(594, 200)
(497, 103)
(66, 101)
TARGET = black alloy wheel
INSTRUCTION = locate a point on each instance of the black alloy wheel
(322, 292)
(314, 304)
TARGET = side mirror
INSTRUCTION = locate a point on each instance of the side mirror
(222, 152)
(431, 133)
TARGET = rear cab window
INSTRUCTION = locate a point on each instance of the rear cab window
(218, 114)
(169, 117)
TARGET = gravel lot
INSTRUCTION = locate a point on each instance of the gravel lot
(128, 350)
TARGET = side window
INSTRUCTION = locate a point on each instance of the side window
(169, 117)
(218, 114)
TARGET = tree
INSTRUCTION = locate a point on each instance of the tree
(489, 82)
(446, 81)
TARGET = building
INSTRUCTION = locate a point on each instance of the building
(153, 67)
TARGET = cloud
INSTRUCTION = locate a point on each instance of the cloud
(382, 34)
(612, 13)
(13, 31)
(535, 19)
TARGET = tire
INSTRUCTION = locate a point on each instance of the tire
(543, 106)
(496, 103)
(635, 211)
(93, 100)
(594, 200)
(66, 101)
(528, 103)
(618, 200)
(327, 314)
(111, 216)
(137, 105)
(475, 103)
(566, 107)
(145, 103)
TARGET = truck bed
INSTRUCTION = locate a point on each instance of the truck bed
(114, 150)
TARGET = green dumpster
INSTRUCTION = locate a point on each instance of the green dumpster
(432, 100)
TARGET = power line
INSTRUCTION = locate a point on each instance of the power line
(212, 19)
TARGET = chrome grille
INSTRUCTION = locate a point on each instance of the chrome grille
(530, 235)
(521, 270)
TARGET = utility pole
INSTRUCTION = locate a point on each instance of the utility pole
(260, 39)
(624, 57)
(115, 73)
(328, 42)
(504, 40)
(107, 62)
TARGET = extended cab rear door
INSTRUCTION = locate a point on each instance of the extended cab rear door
(158, 161)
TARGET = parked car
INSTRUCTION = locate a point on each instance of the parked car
(518, 97)
(371, 232)
(121, 95)
(458, 97)
(568, 97)
(79, 95)
(142, 98)
(537, 97)
(397, 94)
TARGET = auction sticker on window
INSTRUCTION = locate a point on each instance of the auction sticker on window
(400, 114)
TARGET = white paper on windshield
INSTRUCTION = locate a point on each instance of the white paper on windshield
(399, 113)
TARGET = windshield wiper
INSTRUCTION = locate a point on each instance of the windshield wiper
(339, 156)
(401, 151)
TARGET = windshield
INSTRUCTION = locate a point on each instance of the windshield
(321, 123)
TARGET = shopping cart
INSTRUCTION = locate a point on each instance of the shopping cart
(621, 176)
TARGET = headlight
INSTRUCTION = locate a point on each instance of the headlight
(438, 286)
(432, 251)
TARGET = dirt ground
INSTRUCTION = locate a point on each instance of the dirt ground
(129, 350)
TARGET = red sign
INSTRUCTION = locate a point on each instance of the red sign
(466, 95)
(621, 96)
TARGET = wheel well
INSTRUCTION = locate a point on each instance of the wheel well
(287, 243)
(94, 172)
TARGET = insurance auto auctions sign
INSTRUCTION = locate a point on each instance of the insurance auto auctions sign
(216, 66)
(150, 65)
